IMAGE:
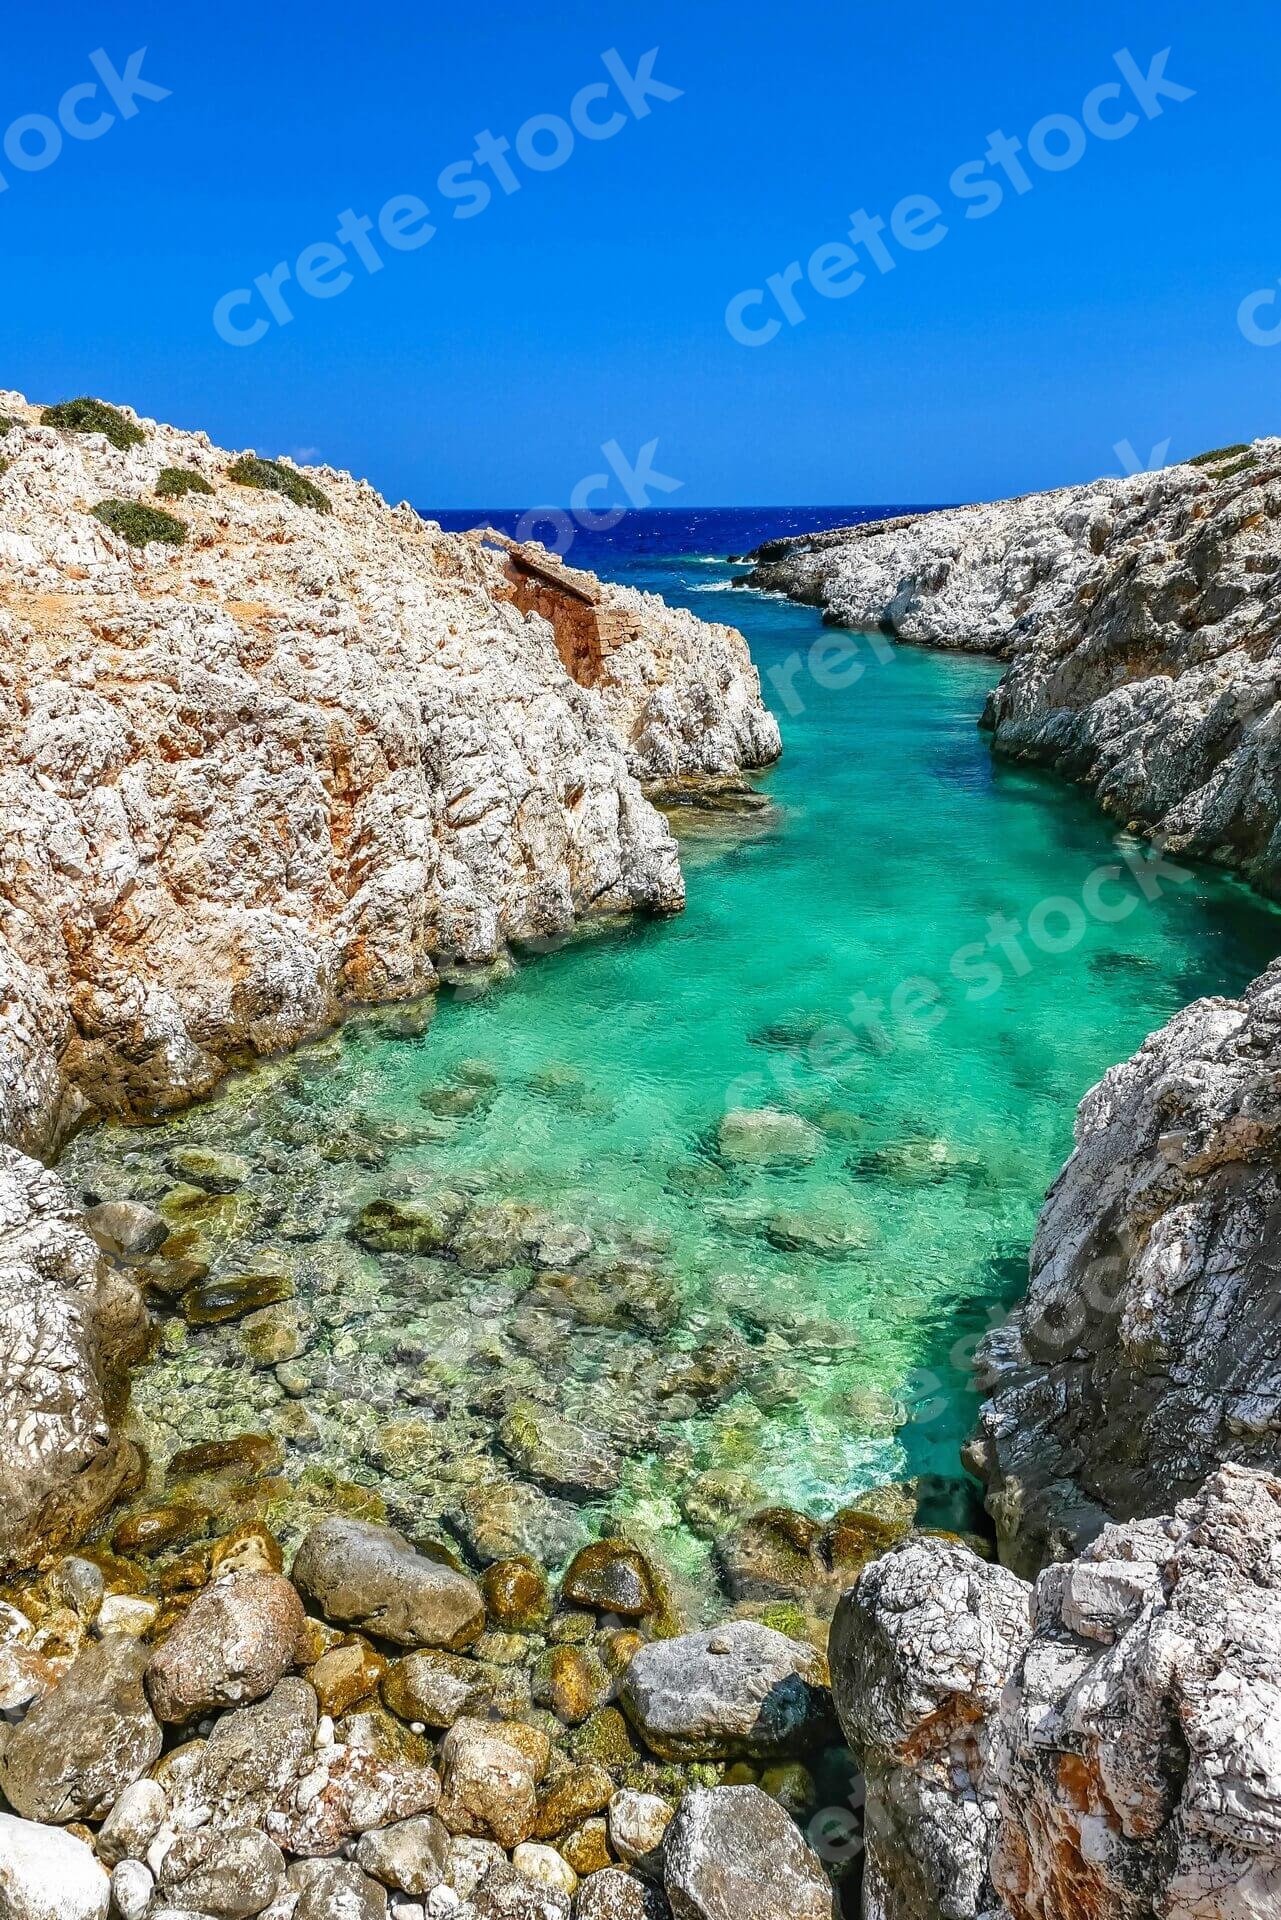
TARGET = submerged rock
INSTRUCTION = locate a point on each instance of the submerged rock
(611, 1576)
(565, 1456)
(767, 1136)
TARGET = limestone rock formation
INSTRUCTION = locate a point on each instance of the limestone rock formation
(1143, 620)
(1147, 1350)
(64, 1464)
(1120, 1747)
(303, 758)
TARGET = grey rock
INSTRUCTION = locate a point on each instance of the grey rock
(81, 1745)
(1159, 1724)
(236, 1640)
(46, 1874)
(437, 1688)
(491, 1772)
(637, 1824)
(252, 1759)
(339, 1890)
(228, 1875)
(370, 1577)
(469, 1860)
(733, 1854)
(738, 1691)
(920, 1648)
(81, 1585)
(409, 1856)
(505, 1894)
(511, 1519)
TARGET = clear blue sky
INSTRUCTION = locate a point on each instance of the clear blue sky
(489, 366)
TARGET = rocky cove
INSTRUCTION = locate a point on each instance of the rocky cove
(594, 1412)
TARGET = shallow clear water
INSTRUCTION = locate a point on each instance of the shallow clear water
(844, 1287)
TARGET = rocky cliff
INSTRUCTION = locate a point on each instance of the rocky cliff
(1103, 1746)
(1142, 619)
(297, 749)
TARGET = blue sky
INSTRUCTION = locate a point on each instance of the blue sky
(489, 365)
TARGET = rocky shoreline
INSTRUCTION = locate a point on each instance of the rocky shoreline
(309, 752)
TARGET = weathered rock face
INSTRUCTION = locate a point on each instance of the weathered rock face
(1147, 1350)
(64, 1465)
(300, 760)
(1143, 618)
(920, 1649)
(1122, 1752)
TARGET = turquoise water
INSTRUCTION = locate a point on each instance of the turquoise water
(838, 1292)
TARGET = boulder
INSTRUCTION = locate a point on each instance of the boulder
(133, 1823)
(491, 1773)
(132, 1887)
(236, 1640)
(46, 1874)
(732, 1853)
(252, 1760)
(767, 1136)
(508, 1520)
(738, 1691)
(611, 1576)
(437, 1688)
(505, 1894)
(229, 1876)
(126, 1228)
(410, 1855)
(81, 1745)
(338, 1890)
(367, 1576)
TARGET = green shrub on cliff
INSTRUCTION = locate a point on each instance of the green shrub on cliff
(5, 424)
(1218, 455)
(94, 416)
(175, 481)
(250, 471)
(138, 524)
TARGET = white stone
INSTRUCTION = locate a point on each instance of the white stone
(46, 1874)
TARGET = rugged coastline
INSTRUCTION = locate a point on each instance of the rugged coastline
(534, 1727)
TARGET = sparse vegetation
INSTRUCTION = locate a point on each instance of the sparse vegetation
(138, 524)
(4, 468)
(6, 424)
(175, 481)
(1219, 455)
(1237, 466)
(250, 471)
(94, 416)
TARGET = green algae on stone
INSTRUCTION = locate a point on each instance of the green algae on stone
(229, 1296)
